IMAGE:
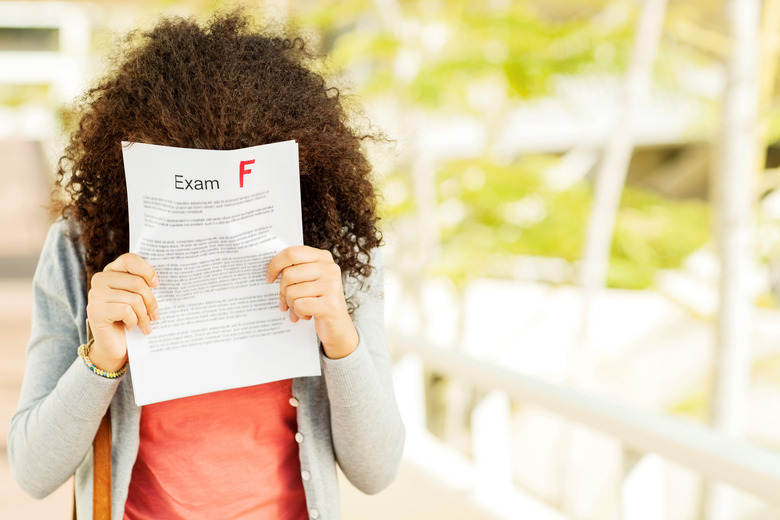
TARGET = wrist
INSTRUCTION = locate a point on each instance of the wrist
(99, 358)
(342, 347)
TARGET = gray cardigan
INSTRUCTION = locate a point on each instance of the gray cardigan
(348, 415)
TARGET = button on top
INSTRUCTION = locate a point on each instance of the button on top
(299, 437)
(314, 513)
(305, 475)
(293, 402)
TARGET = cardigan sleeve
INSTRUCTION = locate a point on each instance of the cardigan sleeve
(61, 401)
(368, 435)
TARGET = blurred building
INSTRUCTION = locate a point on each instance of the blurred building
(44, 56)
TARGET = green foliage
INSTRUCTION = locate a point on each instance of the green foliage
(447, 47)
(19, 95)
(654, 233)
(434, 56)
(773, 126)
(694, 406)
(489, 214)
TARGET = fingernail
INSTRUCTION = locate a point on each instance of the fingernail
(156, 315)
(268, 278)
(147, 330)
(155, 281)
(281, 305)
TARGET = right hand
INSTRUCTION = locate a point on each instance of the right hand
(120, 298)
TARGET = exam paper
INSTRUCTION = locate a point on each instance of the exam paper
(209, 221)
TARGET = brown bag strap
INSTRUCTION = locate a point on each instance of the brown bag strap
(101, 460)
(101, 465)
(101, 472)
(101, 478)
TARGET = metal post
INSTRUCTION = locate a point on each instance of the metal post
(490, 429)
(642, 494)
(612, 171)
(737, 176)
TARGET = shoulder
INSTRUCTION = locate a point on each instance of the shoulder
(371, 286)
(64, 239)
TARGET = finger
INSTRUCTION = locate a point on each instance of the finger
(328, 272)
(301, 273)
(134, 264)
(130, 283)
(307, 307)
(118, 313)
(284, 258)
(130, 299)
(301, 290)
(294, 255)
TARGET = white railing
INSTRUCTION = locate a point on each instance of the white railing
(644, 435)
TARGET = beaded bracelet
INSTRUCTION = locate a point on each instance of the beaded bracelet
(84, 353)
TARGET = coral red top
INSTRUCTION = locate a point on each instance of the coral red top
(229, 455)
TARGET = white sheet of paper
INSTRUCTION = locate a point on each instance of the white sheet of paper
(209, 221)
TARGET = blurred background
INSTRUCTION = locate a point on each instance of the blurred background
(582, 221)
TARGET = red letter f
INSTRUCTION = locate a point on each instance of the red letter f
(244, 171)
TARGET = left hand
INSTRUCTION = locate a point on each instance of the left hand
(310, 287)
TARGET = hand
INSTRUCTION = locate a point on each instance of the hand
(310, 287)
(120, 298)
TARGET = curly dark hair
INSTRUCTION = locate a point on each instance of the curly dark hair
(223, 85)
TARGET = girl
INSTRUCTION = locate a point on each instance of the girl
(266, 451)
